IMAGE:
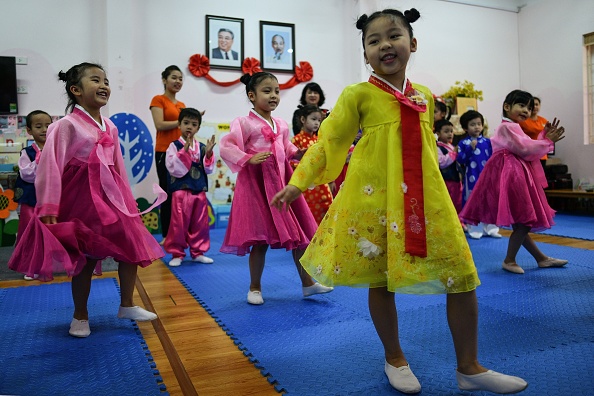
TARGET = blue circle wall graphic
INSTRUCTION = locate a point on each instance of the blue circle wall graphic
(136, 143)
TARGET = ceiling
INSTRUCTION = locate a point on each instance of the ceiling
(506, 5)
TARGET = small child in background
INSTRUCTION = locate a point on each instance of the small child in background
(441, 111)
(258, 148)
(319, 198)
(473, 153)
(188, 162)
(24, 189)
(511, 189)
(448, 166)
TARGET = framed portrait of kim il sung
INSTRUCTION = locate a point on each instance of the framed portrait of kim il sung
(224, 42)
(277, 46)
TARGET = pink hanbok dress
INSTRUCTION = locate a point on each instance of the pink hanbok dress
(82, 180)
(252, 220)
(511, 187)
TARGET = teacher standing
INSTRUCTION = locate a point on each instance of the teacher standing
(165, 110)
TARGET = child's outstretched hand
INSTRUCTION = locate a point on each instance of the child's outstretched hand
(299, 154)
(553, 131)
(285, 197)
(210, 143)
(259, 158)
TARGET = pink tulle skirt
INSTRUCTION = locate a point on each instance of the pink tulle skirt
(507, 193)
(89, 226)
(253, 221)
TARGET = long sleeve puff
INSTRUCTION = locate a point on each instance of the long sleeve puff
(510, 136)
(179, 162)
(28, 168)
(323, 162)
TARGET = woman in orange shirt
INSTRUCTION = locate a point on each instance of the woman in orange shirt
(165, 110)
(534, 125)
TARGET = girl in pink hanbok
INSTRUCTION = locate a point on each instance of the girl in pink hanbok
(85, 209)
(258, 148)
(510, 191)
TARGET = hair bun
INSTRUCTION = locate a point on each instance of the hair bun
(245, 79)
(361, 21)
(62, 76)
(412, 15)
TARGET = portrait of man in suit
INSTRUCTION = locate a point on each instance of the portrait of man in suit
(225, 41)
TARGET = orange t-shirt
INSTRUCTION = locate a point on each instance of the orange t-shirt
(170, 113)
(533, 128)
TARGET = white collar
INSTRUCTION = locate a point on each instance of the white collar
(266, 121)
(101, 126)
(401, 90)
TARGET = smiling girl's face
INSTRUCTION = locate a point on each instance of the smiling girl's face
(388, 46)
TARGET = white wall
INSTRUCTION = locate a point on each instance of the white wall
(550, 38)
(136, 39)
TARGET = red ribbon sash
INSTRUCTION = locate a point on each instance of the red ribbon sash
(411, 104)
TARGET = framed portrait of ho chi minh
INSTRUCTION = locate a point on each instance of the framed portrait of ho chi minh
(224, 42)
(277, 46)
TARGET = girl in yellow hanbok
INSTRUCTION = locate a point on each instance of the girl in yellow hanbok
(393, 227)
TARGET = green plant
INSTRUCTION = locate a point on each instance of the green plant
(465, 89)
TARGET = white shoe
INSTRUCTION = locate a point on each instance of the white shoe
(491, 381)
(495, 235)
(254, 297)
(79, 328)
(203, 259)
(175, 262)
(136, 313)
(402, 378)
(28, 278)
(475, 235)
(316, 288)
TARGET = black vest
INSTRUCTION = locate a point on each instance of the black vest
(24, 192)
(450, 173)
(195, 180)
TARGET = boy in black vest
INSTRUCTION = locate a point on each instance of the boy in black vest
(188, 162)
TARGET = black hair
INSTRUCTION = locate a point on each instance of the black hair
(440, 124)
(191, 114)
(32, 114)
(406, 18)
(469, 116)
(72, 78)
(306, 110)
(252, 81)
(312, 86)
(518, 96)
(443, 108)
(228, 31)
(167, 72)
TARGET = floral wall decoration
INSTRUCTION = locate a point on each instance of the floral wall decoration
(199, 66)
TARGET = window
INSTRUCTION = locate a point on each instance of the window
(589, 88)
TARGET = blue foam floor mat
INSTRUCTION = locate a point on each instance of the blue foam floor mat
(572, 226)
(38, 357)
(539, 325)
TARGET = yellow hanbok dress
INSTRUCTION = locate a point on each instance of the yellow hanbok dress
(360, 242)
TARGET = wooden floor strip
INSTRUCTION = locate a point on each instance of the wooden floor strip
(179, 370)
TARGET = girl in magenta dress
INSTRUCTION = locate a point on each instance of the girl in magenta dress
(258, 148)
(510, 191)
(85, 208)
